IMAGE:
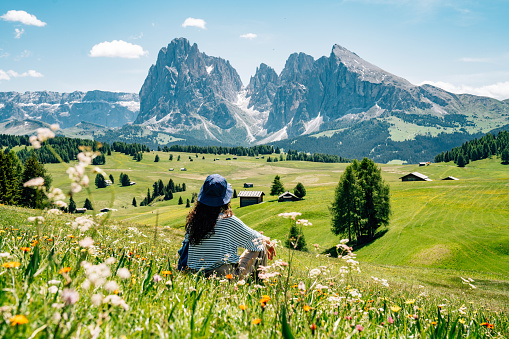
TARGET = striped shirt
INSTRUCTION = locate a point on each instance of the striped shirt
(222, 246)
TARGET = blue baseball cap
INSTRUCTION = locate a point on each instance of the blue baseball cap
(215, 191)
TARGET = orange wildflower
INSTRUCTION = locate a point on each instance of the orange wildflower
(25, 249)
(307, 308)
(166, 272)
(229, 276)
(70, 236)
(116, 292)
(64, 270)
(11, 264)
(18, 320)
(243, 307)
(488, 325)
(257, 321)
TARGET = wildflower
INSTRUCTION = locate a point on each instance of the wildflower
(64, 270)
(53, 289)
(123, 273)
(11, 264)
(314, 273)
(110, 261)
(313, 328)
(166, 272)
(264, 300)
(44, 134)
(229, 276)
(35, 143)
(54, 211)
(359, 328)
(35, 182)
(257, 321)
(307, 308)
(115, 300)
(289, 215)
(241, 283)
(488, 325)
(69, 296)
(18, 320)
(243, 307)
(395, 308)
(344, 241)
(53, 282)
(157, 278)
(97, 299)
(37, 219)
(5, 255)
(410, 301)
(86, 242)
(390, 320)
(321, 287)
(433, 323)
(25, 249)
(111, 286)
(61, 204)
(54, 127)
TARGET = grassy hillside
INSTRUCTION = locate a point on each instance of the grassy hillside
(461, 225)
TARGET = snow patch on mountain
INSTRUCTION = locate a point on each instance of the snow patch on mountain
(276, 136)
(313, 125)
(209, 69)
(133, 106)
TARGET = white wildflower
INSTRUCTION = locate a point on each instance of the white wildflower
(54, 211)
(292, 215)
(54, 127)
(123, 273)
(115, 300)
(344, 241)
(61, 204)
(44, 134)
(5, 255)
(53, 282)
(69, 296)
(35, 182)
(110, 261)
(314, 273)
(53, 289)
(111, 286)
(97, 299)
(86, 242)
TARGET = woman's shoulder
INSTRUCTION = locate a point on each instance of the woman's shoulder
(229, 219)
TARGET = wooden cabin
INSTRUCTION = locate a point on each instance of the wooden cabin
(287, 196)
(248, 185)
(250, 197)
(450, 178)
(415, 176)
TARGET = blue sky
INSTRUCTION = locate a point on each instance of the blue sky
(64, 45)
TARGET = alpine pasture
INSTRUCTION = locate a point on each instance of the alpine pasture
(444, 258)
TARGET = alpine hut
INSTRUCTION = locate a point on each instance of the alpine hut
(250, 197)
(415, 176)
(287, 196)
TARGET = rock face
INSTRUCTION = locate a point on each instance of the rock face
(68, 109)
(186, 86)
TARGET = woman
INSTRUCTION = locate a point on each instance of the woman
(215, 234)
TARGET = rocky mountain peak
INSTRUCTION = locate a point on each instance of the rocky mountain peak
(262, 88)
(296, 66)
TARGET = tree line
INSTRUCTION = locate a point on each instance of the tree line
(13, 175)
(66, 148)
(315, 157)
(477, 149)
(238, 150)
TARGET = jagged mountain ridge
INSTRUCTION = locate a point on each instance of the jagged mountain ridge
(190, 93)
(110, 109)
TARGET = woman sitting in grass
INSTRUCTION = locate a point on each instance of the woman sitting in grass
(215, 234)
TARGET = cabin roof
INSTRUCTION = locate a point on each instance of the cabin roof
(288, 193)
(250, 194)
(418, 175)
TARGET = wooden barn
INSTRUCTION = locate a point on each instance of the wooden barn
(287, 196)
(248, 185)
(450, 178)
(250, 197)
(415, 176)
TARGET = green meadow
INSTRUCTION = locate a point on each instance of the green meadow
(461, 225)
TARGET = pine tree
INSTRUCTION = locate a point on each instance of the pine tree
(188, 204)
(171, 157)
(234, 193)
(112, 179)
(505, 156)
(31, 197)
(134, 202)
(299, 190)
(461, 162)
(183, 187)
(100, 182)
(72, 205)
(124, 180)
(296, 239)
(277, 186)
(88, 205)
(157, 158)
(180, 201)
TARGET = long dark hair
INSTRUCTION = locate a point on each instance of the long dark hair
(201, 220)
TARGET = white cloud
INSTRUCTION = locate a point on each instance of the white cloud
(23, 17)
(117, 49)
(8, 75)
(499, 90)
(18, 32)
(136, 37)
(249, 36)
(192, 22)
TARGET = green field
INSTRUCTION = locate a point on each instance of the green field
(461, 225)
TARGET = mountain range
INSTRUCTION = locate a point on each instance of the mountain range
(339, 102)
